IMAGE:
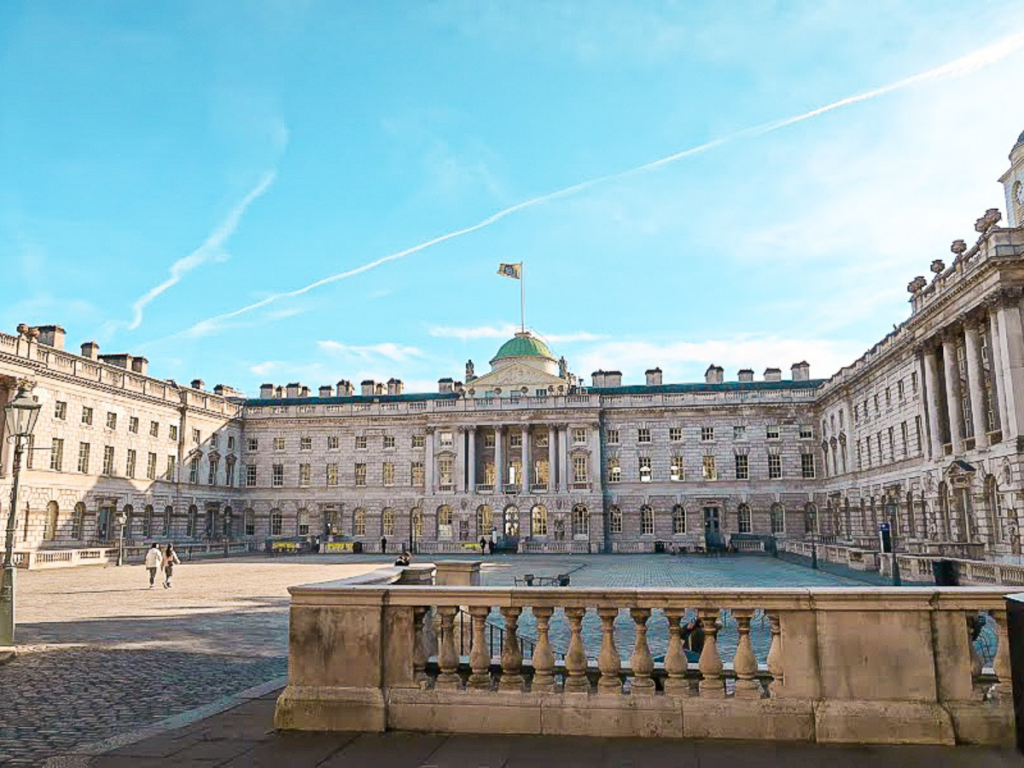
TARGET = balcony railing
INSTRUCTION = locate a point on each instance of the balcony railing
(539, 487)
(485, 487)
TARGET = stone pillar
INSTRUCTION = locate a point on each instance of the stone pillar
(459, 475)
(552, 458)
(1011, 339)
(563, 458)
(525, 459)
(952, 391)
(931, 383)
(996, 361)
(594, 439)
(974, 382)
(499, 459)
(471, 477)
(428, 468)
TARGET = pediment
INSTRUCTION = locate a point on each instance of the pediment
(516, 377)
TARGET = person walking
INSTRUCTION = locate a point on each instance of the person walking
(383, 544)
(170, 560)
(483, 545)
(154, 559)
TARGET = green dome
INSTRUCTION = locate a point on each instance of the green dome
(524, 345)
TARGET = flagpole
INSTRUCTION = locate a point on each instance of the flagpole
(522, 298)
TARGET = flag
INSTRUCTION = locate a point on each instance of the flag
(511, 270)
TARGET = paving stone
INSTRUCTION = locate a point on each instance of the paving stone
(387, 750)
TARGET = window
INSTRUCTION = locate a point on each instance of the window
(250, 522)
(773, 432)
(360, 442)
(488, 439)
(579, 469)
(332, 475)
(675, 434)
(774, 466)
(540, 393)
(129, 469)
(193, 471)
(905, 436)
(389, 441)
(899, 389)
(580, 521)
(446, 440)
(856, 414)
(645, 469)
(579, 436)
(252, 444)
(211, 477)
(196, 436)
(417, 473)
(807, 465)
(743, 513)
(484, 519)
(277, 475)
(359, 522)
(154, 429)
(892, 444)
(108, 460)
(778, 518)
(643, 435)
(708, 468)
(171, 465)
(305, 474)
(646, 521)
(388, 473)
(388, 522)
(739, 433)
(87, 416)
(229, 474)
(867, 443)
(172, 433)
(614, 470)
(676, 473)
(444, 522)
(60, 410)
(613, 436)
(707, 433)
(57, 454)
(78, 521)
(250, 477)
(614, 520)
(913, 382)
(515, 439)
(231, 442)
(881, 456)
(806, 432)
(305, 443)
(276, 522)
(419, 441)
(540, 520)
(678, 520)
(278, 443)
(877, 407)
(360, 474)
(917, 427)
(742, 467)
(446, 476)
(111, 420)
(333, 442)
(541, 440)
(83, 458)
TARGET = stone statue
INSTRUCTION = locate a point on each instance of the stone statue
(470, 372)
(563, 368)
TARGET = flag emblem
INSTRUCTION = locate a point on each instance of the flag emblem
(510, 270)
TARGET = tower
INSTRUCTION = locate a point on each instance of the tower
(1013, 183)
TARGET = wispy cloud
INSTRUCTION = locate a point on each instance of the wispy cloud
(212, 249)
(504, 331)
(387, 350)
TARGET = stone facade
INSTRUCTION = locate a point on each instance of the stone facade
(924, 432)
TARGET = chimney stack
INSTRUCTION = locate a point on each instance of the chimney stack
(51, 336)
(345, 388)
(326, 391)
(445, 385)
(395, 387)
(367, 388)
(140, 365)
(746, 375)
(773, 374)
(654, 377)
(91, 350)
(801, 371)
(715, 374)
(266, 391)
(198, 384)
(304, 392)
(293, 390)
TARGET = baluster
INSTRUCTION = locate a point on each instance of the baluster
(479, 658)
(576, 658)
(447, 658)
(712, 684)
(643, 662)
(511, 658)
(543, 658)
(419, 651)
(675, 656)
(775, 654)
(608, 660)
(744, 663)
(1001, 663)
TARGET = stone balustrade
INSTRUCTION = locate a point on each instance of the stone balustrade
(43, 559)
(875, 665)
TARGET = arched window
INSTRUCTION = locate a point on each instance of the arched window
(417, 522)
(539, 519)
(484, 520)
(511, 521)
(778, 516)
(811, 518)
(678, 520)
(147, 521)
(614, 520)
(250, 522)
(743, 513)
(168, 514)
(359, 522)
(228, 523)
(444, 522)
(303, 522)
(190, 524)
(276, 522)
(388, 521)
(50, 524)
(580, 521)
(646, 521)
(78, 522)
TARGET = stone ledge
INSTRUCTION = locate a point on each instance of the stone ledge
(882, 722)
(983, 722)
(322, 708)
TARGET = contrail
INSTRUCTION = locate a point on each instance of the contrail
(212, 248)
(979, 59)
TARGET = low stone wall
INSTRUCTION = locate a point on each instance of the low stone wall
(875, 665)
(41, 559)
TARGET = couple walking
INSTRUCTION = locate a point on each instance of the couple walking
(157, 560)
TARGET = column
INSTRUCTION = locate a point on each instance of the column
(563, 457)
(996, 361)
(459, 478)
(525, 479)
(952, 391)
(499, 459)
(1011, 338)
(931, 383)
(594, 438)
(471, 478)
(973, 351)
(428, 468)
(552, 458)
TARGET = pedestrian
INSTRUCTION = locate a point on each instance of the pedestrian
(383, 544)
(403, 559)
(154, 559)
(170, 560)
(693, 640)
(483, 545)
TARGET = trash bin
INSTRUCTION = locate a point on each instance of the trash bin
(945, 573)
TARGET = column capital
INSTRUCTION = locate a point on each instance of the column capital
(951, 334)
(429, 430)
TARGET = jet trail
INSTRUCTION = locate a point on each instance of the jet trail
(976, 60)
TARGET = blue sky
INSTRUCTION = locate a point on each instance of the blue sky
(171, 171)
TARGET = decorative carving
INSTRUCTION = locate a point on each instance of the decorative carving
(563, 368)
(470, 371)
(938, 266)
(958, 247)
(916, 284)
(989, 220)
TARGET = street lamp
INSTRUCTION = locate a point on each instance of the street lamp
(20, 417)
(121, 520)
(893, 515)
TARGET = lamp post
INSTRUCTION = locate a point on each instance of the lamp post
(20, 417)
(122, 518)
(892, 514)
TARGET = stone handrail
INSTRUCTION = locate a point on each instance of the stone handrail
(40, 559)
(874, 665)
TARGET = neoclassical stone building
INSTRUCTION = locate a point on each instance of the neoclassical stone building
(924, 431)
